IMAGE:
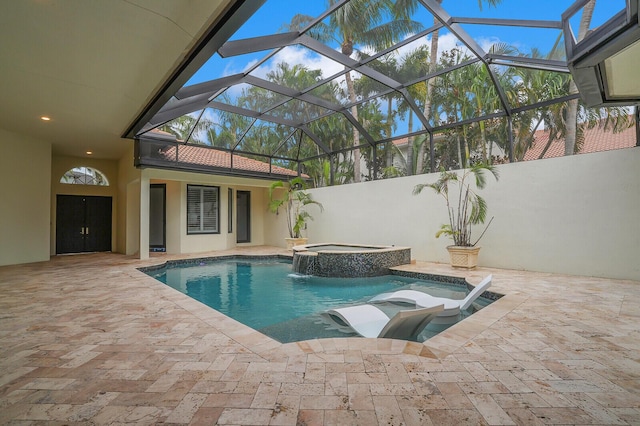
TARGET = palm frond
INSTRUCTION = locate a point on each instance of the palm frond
(469, 208)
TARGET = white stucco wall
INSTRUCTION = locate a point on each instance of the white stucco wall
(574, 215)
(25, 187)
(174, 207)
(276, 224)
(178, 241)
(128, 209)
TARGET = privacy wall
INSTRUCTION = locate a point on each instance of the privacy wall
(575, 215)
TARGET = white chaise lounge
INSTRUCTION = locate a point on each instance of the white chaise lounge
(423, 300)
(370, 321)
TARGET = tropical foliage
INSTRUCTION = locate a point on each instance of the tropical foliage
(294, 201)
(462, 97)
(372, 23)
(464, 206)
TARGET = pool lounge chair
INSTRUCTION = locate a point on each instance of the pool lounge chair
(370, 321)
(423, 300)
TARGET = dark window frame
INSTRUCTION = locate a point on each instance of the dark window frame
(199, 214)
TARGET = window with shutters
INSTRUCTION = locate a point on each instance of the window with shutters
(203, 209)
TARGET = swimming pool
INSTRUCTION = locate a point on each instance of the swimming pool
(263, 294)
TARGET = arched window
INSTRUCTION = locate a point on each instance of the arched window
(84, 176)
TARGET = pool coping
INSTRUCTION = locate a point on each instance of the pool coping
(439, 346)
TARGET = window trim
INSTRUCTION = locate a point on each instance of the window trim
(202, 188)
(84, 175)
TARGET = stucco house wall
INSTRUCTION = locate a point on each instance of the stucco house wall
(574, 215)
(25, 182)
(178, 241)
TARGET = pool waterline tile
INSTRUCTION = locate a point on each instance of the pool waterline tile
(246, 335)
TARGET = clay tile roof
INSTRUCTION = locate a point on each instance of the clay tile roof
(400, 141)
(206, 156)
(595, 140)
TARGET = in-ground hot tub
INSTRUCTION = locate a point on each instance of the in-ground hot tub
(348, 260)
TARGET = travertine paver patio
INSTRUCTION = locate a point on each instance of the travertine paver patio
(90, 340)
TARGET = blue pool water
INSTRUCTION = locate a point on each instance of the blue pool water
(266, 296)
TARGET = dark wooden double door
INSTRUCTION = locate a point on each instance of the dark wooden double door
(83, 224)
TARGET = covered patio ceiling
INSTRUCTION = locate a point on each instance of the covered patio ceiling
(357, 75)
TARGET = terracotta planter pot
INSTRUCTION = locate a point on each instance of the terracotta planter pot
(463, 257)
(292, 242)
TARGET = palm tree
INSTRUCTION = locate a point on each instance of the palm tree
(294, 201)
(453, 97)
(433, 62)
(565, 120)
(188, 128)
(572, 110)
(465, 206)
(361, 23)
(374, 121)
(230, 125)
(269, 138)
(411, 67)
(366, 86)
(407, 67)
(486, 98)
(530, 86)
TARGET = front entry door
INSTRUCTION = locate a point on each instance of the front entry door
(243, 210)
(83, 224)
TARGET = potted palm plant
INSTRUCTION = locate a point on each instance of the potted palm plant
(465, 207)
(294, 200)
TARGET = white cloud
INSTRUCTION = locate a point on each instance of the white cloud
(295, 55)
(236, 90)
(446, 42)
(486, 42)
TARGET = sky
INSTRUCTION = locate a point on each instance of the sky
(275, 14)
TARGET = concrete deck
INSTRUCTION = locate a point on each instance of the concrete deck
(89, 339)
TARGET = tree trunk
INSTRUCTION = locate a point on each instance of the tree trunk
(356, 134)
(483, 139)
(466, 150)
(409, 162)
(545, 149)
(572, 111)
(433, 61)
(389, 148)
(572, 123)
(528, 142)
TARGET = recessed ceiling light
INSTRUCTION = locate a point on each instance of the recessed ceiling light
(89, 152)
(45, 118)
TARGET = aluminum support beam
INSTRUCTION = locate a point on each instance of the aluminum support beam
(228, 22)
(437, 11)
(257, 44)
(509, 22)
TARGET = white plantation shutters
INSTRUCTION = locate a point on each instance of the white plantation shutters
(203, 210)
